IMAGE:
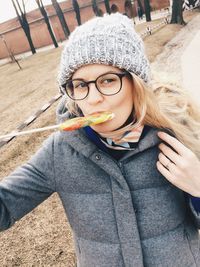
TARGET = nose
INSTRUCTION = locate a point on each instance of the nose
(94, 96)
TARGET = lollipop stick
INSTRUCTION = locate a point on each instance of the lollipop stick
(29, 131)
(69, 125)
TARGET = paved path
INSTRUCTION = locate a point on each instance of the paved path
(190, 65)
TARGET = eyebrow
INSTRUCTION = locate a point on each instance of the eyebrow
(99, 75)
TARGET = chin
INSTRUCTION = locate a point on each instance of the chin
(105, 127)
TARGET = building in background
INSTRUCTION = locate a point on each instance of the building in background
(16, 40)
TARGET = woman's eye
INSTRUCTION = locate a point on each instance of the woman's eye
(80, 85)
(107, 81)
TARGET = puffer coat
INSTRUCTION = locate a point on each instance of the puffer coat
(122, 213)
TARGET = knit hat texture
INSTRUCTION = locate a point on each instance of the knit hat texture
(109, 40)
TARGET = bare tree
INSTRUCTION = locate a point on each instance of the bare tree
(107, 5)
(177, 12)
(147, 10)
(21, 15)
(10, 53)
(61, 18)
(46, 19)
(77, 11)
(140, 5)
(95, 8)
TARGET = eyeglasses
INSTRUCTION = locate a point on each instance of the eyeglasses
(107, 84)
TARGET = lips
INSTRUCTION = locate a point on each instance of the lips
(102, 113)
(96, 112)
(100, 117)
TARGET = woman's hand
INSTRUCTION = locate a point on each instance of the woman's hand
(181, 168)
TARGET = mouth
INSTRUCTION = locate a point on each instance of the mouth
(97, 112)
(100, 117)
(102, 113)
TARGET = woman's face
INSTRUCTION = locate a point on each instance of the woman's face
(121, 104)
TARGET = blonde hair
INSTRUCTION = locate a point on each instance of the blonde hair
(168, 108)
(164, 107)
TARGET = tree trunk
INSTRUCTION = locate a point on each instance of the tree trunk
(147, 10)
(10, 53)
(95, 8)
(140, 5)
(77, 11)
(24, 23)
(61, 18)
(44, 13)
(107, 5)
(28, 35)
(177, 12)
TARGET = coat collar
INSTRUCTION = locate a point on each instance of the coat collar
(79, 141)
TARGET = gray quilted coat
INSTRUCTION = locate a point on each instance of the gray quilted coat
(122, 214)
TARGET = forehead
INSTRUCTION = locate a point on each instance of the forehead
(91, 71)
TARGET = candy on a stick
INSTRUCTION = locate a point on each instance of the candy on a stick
(69, 125)
(93, 119)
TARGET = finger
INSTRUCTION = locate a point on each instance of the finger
(171, 154)
(168, 175)
(172, 178)
(168, 164)
(173, 142)
(165, 172)
(163, 160)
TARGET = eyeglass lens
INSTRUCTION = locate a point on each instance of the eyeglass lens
(107, 84)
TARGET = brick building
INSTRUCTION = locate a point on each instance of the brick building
(13, 34)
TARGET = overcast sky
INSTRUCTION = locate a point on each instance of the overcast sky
(7, 10)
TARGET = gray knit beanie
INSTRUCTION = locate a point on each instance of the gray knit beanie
(109, 40)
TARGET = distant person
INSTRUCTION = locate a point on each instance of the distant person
(114, 8)
(130, 186)
(140, 13)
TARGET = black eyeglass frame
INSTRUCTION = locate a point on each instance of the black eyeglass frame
(120, 75)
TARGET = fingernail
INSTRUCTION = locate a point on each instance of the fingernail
(160, 146)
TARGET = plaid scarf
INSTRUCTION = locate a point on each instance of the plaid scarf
(125, 138)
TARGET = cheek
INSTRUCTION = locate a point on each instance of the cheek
(81, 106)
(125, 99)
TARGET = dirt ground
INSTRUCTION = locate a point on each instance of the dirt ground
(43, 237)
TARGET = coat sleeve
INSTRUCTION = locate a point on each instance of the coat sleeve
(27, 186)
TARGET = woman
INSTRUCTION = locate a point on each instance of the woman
(130, 199)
